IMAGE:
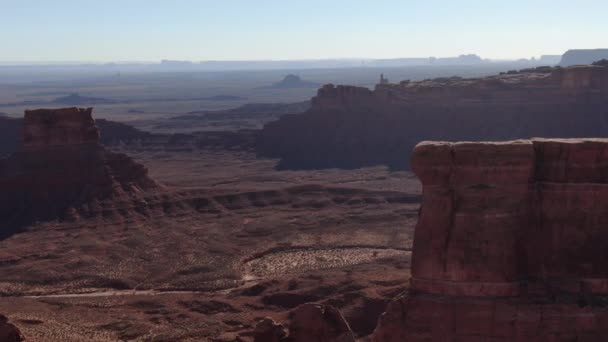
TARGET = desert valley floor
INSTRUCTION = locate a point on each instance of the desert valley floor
(230, 240)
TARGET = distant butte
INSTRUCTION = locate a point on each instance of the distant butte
(294, 81)
(62, 166)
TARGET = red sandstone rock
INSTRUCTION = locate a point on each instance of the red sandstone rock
(62, 165)
(510, 244)
(267, 330)
(319, 323)
(9, 332)
(48, 128)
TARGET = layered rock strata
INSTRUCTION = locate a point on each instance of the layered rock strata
(510, 245)
(62, 165)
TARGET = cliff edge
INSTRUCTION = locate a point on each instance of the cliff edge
(510, 244)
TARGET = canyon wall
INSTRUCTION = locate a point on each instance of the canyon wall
(510, 244)
(62, 165)
(351, 127)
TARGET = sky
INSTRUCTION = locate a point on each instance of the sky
(151, 30)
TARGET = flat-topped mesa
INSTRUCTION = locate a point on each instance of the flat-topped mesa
(62, 168)
(526, 86)
(354, 126)
(49, 128)
(330, 96)
(511, 243)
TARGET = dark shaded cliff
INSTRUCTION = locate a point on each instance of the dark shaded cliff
(351, 127)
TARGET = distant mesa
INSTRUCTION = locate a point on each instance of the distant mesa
(224, 98)
(174, 63)
(469, 59)
(76, 100)
(352, 127)
(580, 57)
(294, 81)
(62, 171)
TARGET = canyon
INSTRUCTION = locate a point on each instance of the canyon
(209, 239)
(496, 241)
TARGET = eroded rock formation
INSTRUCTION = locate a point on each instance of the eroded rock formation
(9, 332)
(354, 126)
(510, 245)
(62, 165)
(309, 322)
(267, 330)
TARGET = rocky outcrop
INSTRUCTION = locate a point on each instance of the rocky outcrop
(354, 126)
(510, 244)
(309, 322)
(62, 166)
(9, 332)
(267, 330)
(322, 323)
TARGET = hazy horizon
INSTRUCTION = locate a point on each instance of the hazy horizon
(149, 31)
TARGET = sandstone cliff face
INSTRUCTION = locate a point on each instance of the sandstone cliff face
(510, 244)
(62, 165)
(353, 126)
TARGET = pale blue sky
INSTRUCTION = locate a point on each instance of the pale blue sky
(150, 30)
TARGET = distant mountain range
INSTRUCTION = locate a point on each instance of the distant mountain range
(178, 65)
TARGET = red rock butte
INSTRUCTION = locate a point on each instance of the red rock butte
(48, 128)
(511, 244)
(61, 166)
